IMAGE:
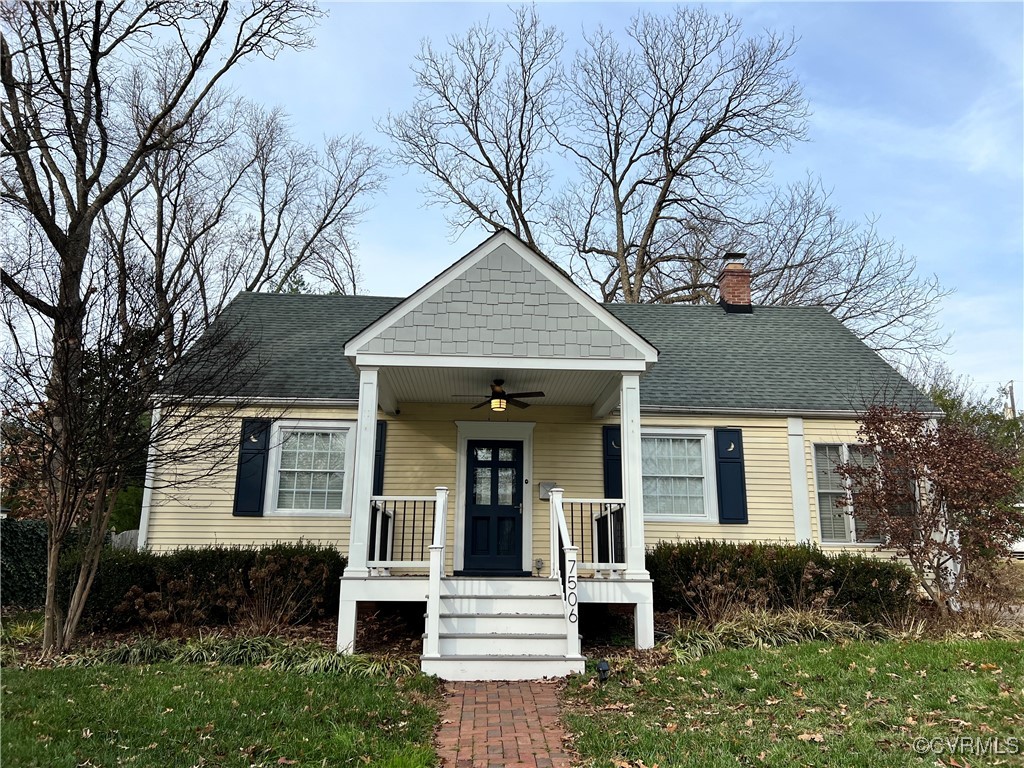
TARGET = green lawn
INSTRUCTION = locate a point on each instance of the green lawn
(862, 704)
(183, 715)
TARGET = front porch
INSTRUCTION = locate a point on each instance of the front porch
(502, 520)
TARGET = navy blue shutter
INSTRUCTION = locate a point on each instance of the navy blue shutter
(378, 458)
(378, 490)
(612, 450)
(732, 486)
(612, 437)
(251, 481)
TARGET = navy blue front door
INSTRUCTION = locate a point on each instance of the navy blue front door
(494, 506)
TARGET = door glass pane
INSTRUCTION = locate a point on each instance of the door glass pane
(482, 486)
(506, 454)
(483, 454)
(506, 484)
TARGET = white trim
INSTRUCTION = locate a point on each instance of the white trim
(147, 490)
(798, 480)
(707, 437)
(492, 430)
(632, 479)
(467, 262)
(270, 508)
(381, 360)
(608, 400)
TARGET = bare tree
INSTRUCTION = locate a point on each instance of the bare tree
(482, 123)
(664, 134)
(83, 109)
(803, 252)
(238, 204)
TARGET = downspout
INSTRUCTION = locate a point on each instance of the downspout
(147, 490)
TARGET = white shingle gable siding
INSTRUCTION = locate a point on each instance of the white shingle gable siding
(502, 306)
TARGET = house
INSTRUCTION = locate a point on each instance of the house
(504, 448)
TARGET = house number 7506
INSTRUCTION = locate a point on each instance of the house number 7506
(570, 591)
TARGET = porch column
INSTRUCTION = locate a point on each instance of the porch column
(362, 473)
(632, 476)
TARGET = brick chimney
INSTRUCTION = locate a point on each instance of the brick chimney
(734, 284)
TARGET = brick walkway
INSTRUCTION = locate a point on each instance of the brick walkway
(502, 725)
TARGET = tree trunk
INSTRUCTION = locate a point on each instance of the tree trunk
(52, 629)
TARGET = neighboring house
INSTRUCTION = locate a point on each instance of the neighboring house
(656, 422)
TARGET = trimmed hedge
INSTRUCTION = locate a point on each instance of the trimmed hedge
(22, 562)
(708, 577)
(265, 587)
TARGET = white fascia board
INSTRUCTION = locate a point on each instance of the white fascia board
(422, 294)
(379, 360)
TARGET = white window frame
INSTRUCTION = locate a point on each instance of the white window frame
(707, 438)
(270, 508)
(851, 527)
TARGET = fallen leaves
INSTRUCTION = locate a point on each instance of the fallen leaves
(815, 737)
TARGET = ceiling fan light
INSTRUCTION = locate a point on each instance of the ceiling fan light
(498, 404)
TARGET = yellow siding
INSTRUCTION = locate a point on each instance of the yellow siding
(766, 467)
(191, 503)
(421, 454)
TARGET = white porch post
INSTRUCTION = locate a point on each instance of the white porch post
(362, 480)
(632, 477)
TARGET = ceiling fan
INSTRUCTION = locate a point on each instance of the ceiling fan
(499, 399)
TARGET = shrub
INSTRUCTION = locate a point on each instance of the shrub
(711, 579)
(264, 588)
(758, 628)
(23, 562)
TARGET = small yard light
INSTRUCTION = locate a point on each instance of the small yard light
(603, 668)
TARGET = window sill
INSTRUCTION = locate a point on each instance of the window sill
(305, 513)
(850, 544)
(679, 519)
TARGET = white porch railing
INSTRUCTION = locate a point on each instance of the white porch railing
(564, 567)
(598, 527)
(432, 641)
(401, 532)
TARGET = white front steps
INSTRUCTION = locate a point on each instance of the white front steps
(502, 629)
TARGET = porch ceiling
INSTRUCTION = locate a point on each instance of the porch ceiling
(445, 385)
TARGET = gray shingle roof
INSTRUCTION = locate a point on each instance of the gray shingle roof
(795, 359)
(776, 358)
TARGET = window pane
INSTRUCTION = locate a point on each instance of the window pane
(832, 516)
(506, 454)
(310, 475)
(506, 483)
(482, 486)
(826, 459)
(673, 470)
(483, 454)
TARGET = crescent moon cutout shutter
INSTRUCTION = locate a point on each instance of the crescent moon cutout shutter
(612, 450)
(251, 481)
(378, 490)
(732, 485)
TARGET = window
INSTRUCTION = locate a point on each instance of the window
(835, 500)
(310, 463)
(678, 473)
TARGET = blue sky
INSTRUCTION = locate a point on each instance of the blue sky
(918, 120)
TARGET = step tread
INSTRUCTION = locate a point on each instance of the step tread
(502, 615)
(507, 635)
(506, 657)
(485, 596)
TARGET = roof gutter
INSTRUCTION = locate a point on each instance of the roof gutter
(684, 409)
